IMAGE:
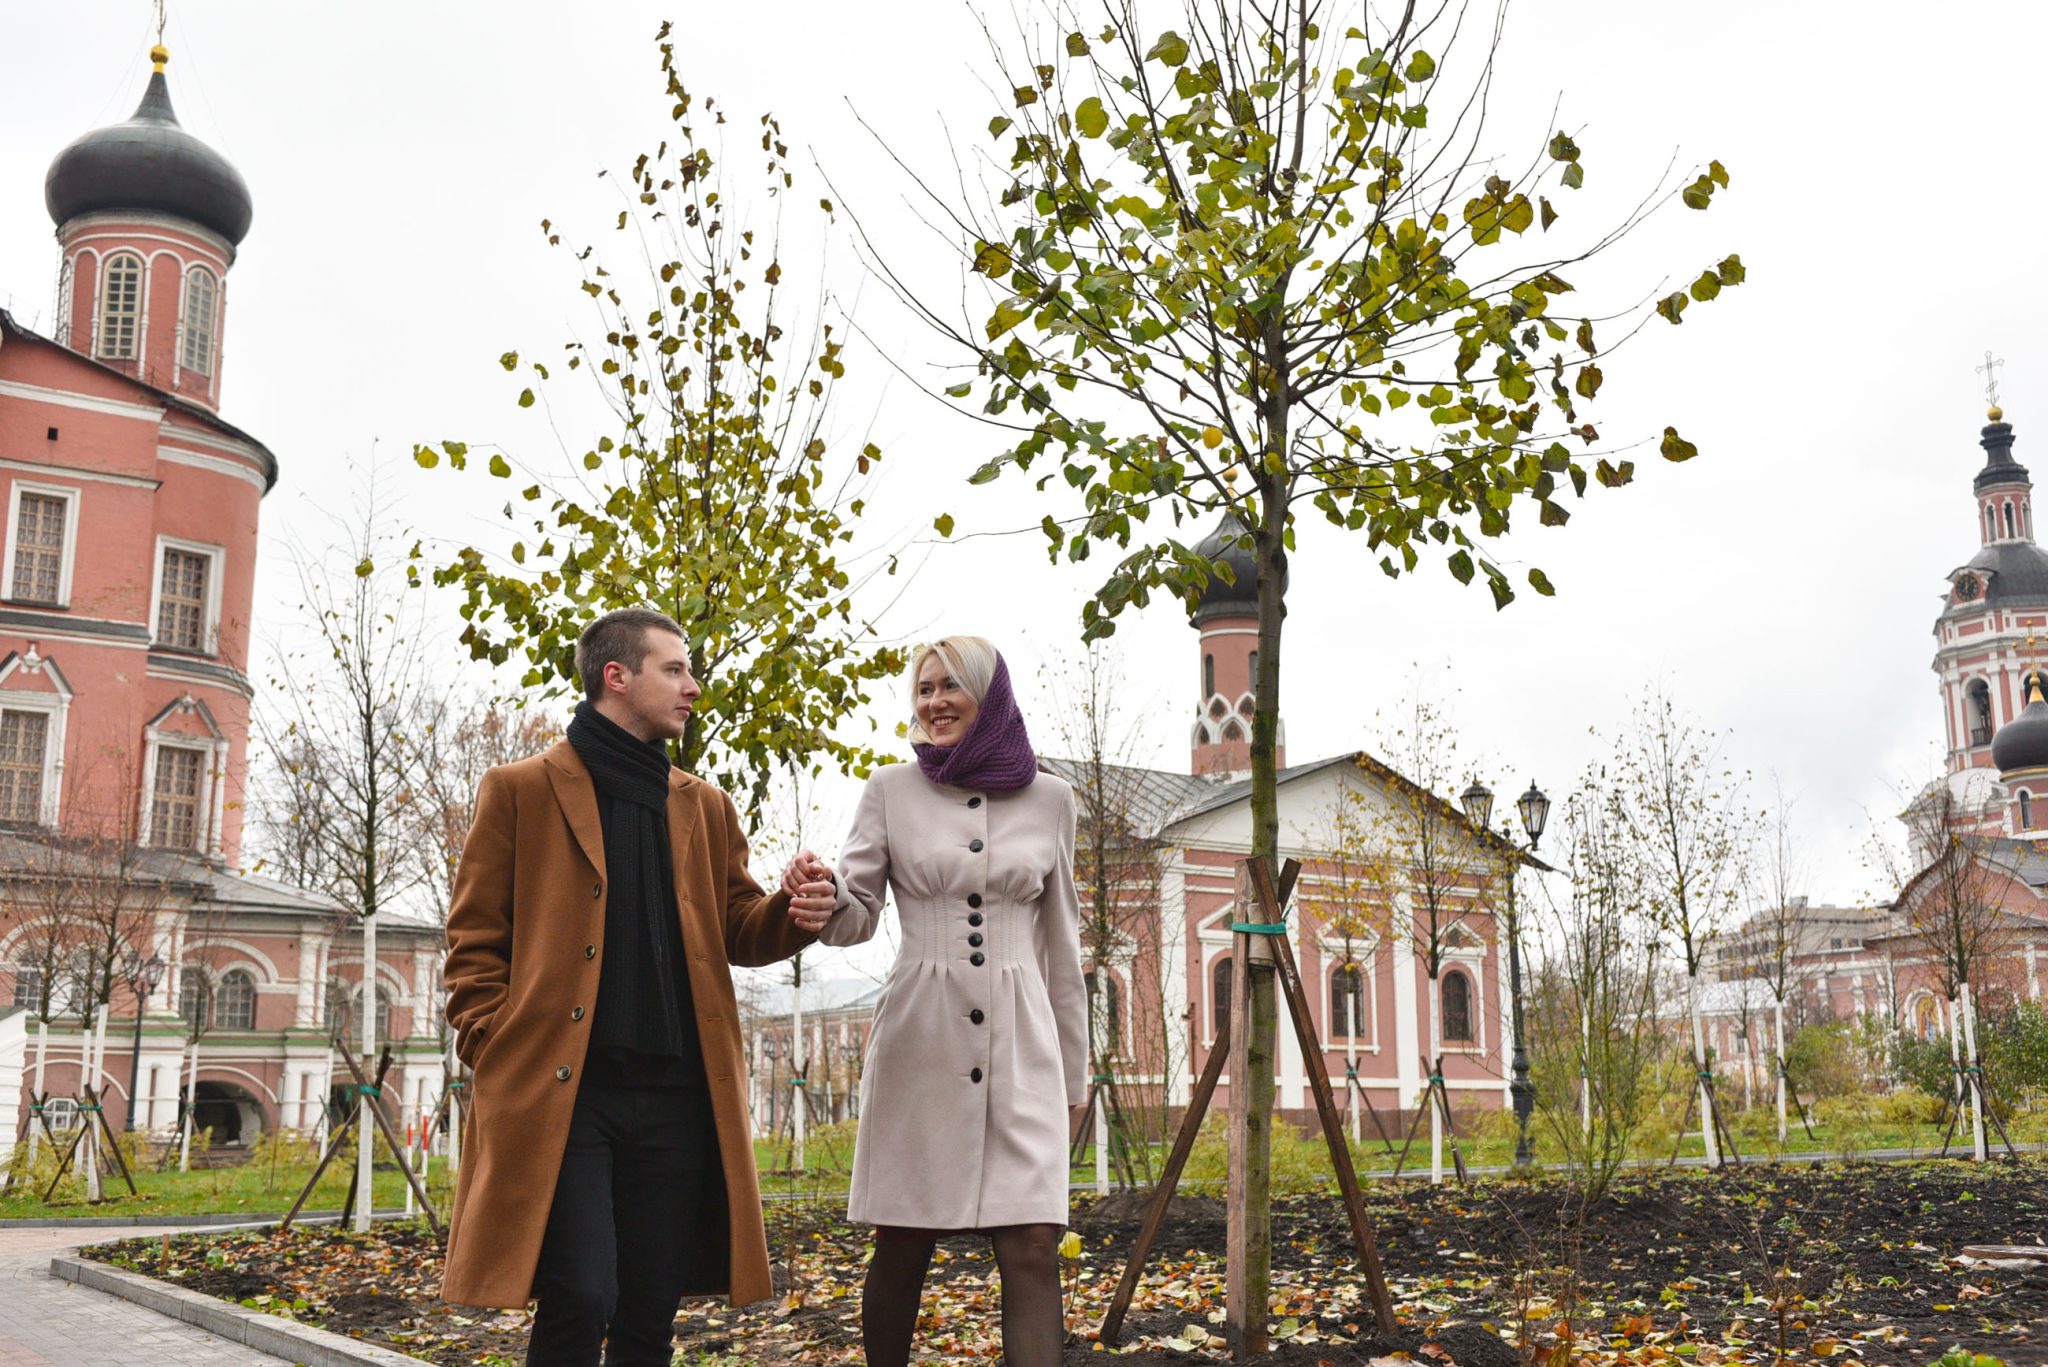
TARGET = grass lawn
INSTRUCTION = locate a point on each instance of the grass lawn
(258, 1188)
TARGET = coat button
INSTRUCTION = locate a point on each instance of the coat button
(973, 802)
(576, 1014)
(976, 1016)
(977, 958)
(597, 888)
(973, 918)
(590, 951)
(562, 1072)
(973, 899)
(974, 938)
(974, 845)
(975, 1075)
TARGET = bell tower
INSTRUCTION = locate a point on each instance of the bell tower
(148, 219)
(1227, 620)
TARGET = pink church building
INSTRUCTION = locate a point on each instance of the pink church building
(128, 562)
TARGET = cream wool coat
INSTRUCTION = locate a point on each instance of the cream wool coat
(980, 1038)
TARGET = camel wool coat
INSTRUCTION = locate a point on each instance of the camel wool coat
(980, 1038)
(525, 948)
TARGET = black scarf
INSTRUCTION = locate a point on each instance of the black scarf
(643, 994)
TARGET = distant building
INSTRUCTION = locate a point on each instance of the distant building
(127, 576)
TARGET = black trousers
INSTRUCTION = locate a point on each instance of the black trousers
(640, 1196)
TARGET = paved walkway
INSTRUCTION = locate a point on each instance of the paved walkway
(45, 1322)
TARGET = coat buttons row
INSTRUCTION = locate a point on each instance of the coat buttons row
(562, 1073)
(974, 938)
(576, 1014)
(976, 1016)
(973, 1076)
(973, 802)
(974, 845)
(590, 951)
(977, 958)
(973, 918)
(973, 899)
(597, 888)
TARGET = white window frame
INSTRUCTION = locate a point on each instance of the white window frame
(185, 330)
(210, 629)
(70, 494)
(213, 755)
(57, 707)
(99, 313)
(1473, 964)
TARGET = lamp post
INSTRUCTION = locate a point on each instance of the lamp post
(143, 975)
(1534, 809)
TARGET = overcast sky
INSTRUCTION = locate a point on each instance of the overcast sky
(1783, 585)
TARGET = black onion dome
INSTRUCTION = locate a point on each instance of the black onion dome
(149, 164)
(2022, 743)
(1239, 599)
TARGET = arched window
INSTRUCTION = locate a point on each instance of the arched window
(1990, 525)
(120, 306)
(1979, 712)
(1457, 1001)
(2026, 811)
(235, 1006)
(1347, 1001)
(1219, 996)
(1255, 670)
(200, 294)
(1232, 731)
(342, 1002)
(1208, 676)
(2008, 519)
(195, 1000)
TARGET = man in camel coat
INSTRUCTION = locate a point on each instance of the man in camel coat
(608, 1168)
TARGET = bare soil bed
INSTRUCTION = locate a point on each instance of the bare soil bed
(1846, 1262)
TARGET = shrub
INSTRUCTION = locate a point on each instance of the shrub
(1847, 1122)
(1907, 1106)
(1826, 1060)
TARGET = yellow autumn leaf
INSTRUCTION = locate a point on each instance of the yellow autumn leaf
(1070, 1246)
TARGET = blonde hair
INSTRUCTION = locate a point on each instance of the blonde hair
(971, 660)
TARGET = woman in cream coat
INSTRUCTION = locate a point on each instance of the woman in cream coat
(980, 1039)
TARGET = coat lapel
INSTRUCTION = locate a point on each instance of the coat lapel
(577, 797)
(682, 824)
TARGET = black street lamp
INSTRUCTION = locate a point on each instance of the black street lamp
(1534, 809)
(143, 975)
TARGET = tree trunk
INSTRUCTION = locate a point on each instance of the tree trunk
(1254, 1213)
(365, 1127)
(95, 1056)
(1784, 1134)
(1586, 1073)
(799, 1114)
(1976, 1078)
(191, 1097)
(35, 1131)
(1352, 991)
(453, 1130)
(1436, 1115)
(1699, 1067)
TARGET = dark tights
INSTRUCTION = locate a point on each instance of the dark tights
(1034, 1319)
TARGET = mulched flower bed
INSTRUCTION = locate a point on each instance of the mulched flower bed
(1851, 1263)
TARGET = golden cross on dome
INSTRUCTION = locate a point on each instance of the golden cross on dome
(1989, 370)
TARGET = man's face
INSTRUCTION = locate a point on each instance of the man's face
(658, 697)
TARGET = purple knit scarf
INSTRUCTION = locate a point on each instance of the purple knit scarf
(995, 755)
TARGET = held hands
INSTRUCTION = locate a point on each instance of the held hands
(812, 889)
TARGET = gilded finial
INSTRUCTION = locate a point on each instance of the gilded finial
(1995, 413)
(159, 56)
(1230, 476)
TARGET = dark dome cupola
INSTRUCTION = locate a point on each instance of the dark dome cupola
(149, 164)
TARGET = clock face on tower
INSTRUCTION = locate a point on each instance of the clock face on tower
(1967, 588)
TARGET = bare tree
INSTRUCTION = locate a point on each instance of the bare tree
(1596, 1036)
(344, 723)
(1095, 726)
(1952, 906)
(1681, 803)
(1440, 861)
(1771, 940)
(1348, 892)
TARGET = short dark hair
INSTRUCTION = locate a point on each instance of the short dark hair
(617, 637)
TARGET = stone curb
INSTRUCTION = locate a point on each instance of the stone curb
(272, 1334)
(217, 1219)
